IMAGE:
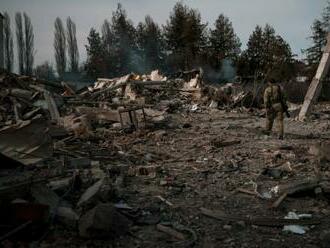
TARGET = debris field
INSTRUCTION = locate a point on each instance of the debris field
(155, 161)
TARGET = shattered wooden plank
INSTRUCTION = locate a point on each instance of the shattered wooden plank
(291, 188)
(258, 221)
(125, 81)
(16, 111)
(170, 231)
(120, 83)
(68, 91)
(14, 231)
(279, 200)
(246, 191)
(52, 107)
(297, 186)
(90, 192)
(20, 93)
(29, 142)
(165, 201)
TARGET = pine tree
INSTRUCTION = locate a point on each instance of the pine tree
(267, 55)
(185, 36)
(251, 61)
(269, 43)
(95, 65)
(150, 45)
(124, 42)
(224, 43)
(318, 37)
(320, 29)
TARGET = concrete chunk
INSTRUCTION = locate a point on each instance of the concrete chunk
(90, 193)
(103, 221)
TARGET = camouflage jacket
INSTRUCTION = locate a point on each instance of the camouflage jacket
(273, 95)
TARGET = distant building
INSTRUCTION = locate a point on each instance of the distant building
(301, 79)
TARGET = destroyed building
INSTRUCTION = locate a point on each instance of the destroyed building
(106, 157)
(140, 159)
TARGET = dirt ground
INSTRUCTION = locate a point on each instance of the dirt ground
(197, 169)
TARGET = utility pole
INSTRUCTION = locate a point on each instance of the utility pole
(315, 87)
(1, 42)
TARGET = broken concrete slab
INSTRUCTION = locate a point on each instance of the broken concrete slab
(60, 184)
(44, 195)
(103, 221)
(27, 142)
(91, 193)
(67, 216)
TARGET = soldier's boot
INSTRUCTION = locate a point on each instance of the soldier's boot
(280, 125)
(269, 125)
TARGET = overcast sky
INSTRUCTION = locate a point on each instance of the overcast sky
(290, 18)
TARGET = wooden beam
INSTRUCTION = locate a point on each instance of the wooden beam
(316, 84)
(52, 107)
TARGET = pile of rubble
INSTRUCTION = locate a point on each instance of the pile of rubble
(24, 98)
(51, 136)
(105, 161)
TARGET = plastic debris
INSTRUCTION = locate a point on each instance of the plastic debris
(296, 228)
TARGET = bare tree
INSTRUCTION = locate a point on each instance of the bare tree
(29, 45)
(8, 40)
(20, 42)
(60, 47)
(72, 45)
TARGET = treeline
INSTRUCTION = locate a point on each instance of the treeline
(25, 43)
(319, 29)
(65, 43)
(185, 42)
(66, 52)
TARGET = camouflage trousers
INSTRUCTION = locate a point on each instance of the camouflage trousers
(271, 116)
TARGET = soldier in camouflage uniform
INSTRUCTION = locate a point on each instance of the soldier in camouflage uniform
(275, 105)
